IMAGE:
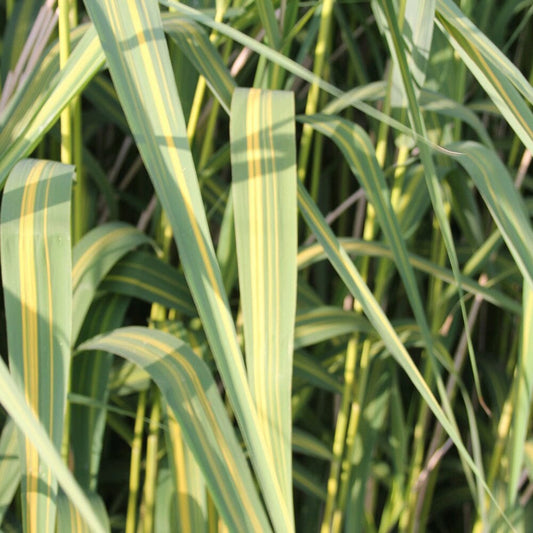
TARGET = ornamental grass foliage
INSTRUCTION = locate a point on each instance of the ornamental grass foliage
(266, 266)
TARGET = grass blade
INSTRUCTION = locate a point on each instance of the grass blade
(417, 30)
(93, 257)
(192, 394)
(36, 264)
(506, 206)
(134, 42)
(482, 46)
(9, 466)
(84, 62)
(346, 269)
(522, 402)
(12, 398)
(263, 157)
(144, 276)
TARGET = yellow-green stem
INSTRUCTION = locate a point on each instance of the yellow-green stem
(152, 444)
(135, 464)
(10, 4)
(312, 98)
(353, 426)
(340, 435)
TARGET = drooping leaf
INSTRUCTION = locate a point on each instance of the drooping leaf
(192, 395)
(93, 257)
(137, 55)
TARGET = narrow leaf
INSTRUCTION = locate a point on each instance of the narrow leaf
(36, 264)
(263, 156)
(134, 42)
(192, 395)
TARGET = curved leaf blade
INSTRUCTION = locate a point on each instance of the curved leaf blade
(504, 202)
(93, 257)
(142, 275)
(12, 398)
(134, 42)
(193, 397)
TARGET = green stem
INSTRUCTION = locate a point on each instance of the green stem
(150, 482)
(135, 464)
(340, 435)
(314, 90)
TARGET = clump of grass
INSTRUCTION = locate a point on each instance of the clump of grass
(304, 228)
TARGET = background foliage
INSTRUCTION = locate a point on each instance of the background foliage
(304, 228)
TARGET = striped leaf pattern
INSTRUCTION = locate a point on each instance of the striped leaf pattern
(134, 43)
(42, 108)
(13, 400)
(193, 397)
(142, 275)
(93, 257)
(36, 264)
(263, 158)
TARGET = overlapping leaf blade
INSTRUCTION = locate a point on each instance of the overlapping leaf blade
(142, 275)
(132, 37)
(355, 284)
(9, 466)
(497, 189)
(39, 109)
(192, 395)
(12, 398)
(93, 257)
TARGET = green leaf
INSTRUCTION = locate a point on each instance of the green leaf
(39, 109)
(36, 265)
(263, 157)
(70, 519)
(192, 395)
(90, 379)
(347, 271)
(496, 74)
(134, 42)
(12, 398)
(323, 323)
(504, 202)
(195, 44)
(522, 400)
(457, 20)
(417, 30)
(93, 257)
(9, 466)
(144, 276)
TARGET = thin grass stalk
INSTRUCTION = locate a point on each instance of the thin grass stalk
(344, 413)
(64, 52)
(321, 49)
(356, 408)
(438, 255)
(135, 464)
(435, 193)
(339, 440)
(150, 482)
